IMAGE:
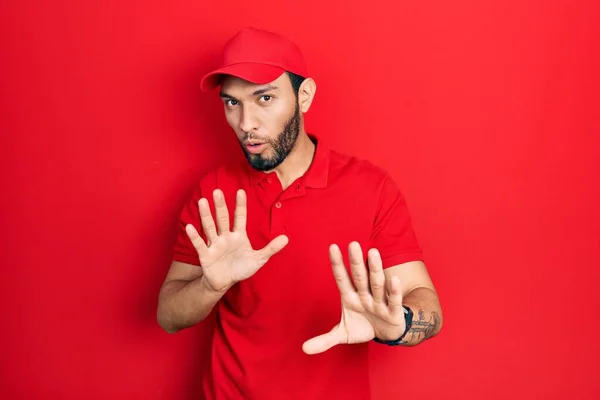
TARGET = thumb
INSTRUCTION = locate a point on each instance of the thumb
(273, 247)
(323, 342)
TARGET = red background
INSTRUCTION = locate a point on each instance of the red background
(486, 113)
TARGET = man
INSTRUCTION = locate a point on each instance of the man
(284, 242)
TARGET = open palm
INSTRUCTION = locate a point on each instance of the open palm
(371, 306)
(228, 257)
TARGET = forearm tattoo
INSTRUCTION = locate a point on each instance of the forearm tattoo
(422, 328)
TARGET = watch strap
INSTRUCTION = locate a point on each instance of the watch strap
(408, 317)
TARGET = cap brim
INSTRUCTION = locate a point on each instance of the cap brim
(251, 72)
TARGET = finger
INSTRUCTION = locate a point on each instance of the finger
(359, 271)
(394, 295)
(376, 276)
(207, 220)
(274, 247)
(342, 279)
(221, 211)
(322, 343)
(239, 218)
(197, 241)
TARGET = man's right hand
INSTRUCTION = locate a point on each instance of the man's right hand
(228, 257)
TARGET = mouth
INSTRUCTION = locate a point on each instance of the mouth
(254, 148)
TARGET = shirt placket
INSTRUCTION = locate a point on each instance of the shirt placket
(278, 199)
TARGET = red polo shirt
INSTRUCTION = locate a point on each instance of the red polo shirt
(263, 321)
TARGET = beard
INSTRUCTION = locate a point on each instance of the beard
(282, 145)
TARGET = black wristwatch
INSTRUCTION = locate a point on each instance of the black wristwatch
(408, 317)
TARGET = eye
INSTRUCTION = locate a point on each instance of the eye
(266, 98)
(231, 103)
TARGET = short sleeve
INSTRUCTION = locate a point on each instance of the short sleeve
(393, 233)
(183, 250)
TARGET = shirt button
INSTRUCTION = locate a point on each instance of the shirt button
(278, 205)
(268, 180)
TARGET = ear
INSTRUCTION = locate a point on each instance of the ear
(306, 94)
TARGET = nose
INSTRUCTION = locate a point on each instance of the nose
(248, 121)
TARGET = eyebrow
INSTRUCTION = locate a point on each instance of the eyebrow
(264, 90)
(255, 93)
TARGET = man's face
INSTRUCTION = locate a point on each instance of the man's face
(265, 118)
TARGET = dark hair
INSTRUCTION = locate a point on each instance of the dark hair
(296, 81)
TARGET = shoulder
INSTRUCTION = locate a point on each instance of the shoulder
(359, 171)
(228, 176)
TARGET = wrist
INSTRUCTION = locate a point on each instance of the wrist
(408, 317)
(212, 292)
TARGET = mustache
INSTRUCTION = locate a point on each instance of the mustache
(252, 138)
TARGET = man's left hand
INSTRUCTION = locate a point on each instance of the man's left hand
(371, 306)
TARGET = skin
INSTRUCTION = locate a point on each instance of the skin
(371, 298)
(264, 113)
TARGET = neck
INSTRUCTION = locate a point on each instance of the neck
(297, 162)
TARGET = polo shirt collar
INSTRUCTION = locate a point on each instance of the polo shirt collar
(316, 175)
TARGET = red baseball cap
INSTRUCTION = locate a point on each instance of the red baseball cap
(257, 56)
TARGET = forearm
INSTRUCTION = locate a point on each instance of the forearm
(427, 315)
(183, 304)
